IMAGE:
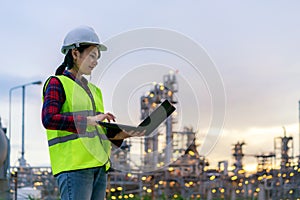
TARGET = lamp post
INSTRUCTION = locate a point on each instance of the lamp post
(22, 160)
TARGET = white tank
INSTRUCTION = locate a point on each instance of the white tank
(3, 146)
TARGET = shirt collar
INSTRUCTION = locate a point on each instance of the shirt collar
(70, 75)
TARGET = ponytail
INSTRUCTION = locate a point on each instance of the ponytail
(67, 64)
(60, 69)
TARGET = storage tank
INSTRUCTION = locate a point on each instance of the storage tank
(3, 145)
(4, 155)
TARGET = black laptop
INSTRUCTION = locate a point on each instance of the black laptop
(150, 123)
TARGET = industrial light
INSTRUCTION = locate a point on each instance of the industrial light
(287, 181)
(283, 175)
(172, 183)
(264, 176)
(191, 153)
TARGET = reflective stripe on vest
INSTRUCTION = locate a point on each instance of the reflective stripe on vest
(75, 136)
(71, 151)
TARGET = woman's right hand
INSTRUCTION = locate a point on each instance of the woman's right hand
(92, 120)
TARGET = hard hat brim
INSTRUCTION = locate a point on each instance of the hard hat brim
(65, 49)
(102, 47)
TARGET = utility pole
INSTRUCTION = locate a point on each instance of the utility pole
(299, 131)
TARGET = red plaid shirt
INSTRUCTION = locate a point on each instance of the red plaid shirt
(54, 98)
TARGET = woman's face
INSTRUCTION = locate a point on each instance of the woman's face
(87, 60)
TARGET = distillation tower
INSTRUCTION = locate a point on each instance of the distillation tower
(149, 102)
(238, 156)
(284, 150)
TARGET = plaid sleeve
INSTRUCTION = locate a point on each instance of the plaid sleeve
(54, 98)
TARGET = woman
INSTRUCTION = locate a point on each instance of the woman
(79, 148)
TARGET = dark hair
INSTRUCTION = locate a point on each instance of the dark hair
(68, 61)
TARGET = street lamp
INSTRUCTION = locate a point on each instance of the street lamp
(22, 160)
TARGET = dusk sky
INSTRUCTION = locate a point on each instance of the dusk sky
(252, 48)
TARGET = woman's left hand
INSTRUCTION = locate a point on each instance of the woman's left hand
(124, 134)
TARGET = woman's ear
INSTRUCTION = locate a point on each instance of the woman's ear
(75, 53)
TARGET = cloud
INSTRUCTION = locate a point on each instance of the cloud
(255, 51)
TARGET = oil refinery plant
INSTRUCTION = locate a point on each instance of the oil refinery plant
(169, 166)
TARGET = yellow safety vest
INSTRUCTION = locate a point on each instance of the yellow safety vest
(71, 151)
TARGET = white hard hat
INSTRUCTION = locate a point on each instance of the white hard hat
(81, 35)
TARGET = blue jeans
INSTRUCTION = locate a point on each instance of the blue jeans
(86, 184)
